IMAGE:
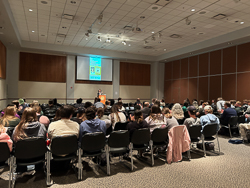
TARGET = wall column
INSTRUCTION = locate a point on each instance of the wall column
(116, 79)
(70, 80)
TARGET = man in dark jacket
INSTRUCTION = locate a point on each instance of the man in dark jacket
(228, 112)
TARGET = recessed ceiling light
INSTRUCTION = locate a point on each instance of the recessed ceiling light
(73, 2)
(64, 27)
(33, 31)
(193, 10)
(129, 45)
(165, 49)
(142, 17)
(30, 10)
(44, 2)
(241, 22)
(153, 32)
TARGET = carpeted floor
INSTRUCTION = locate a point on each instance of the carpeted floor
(230, 169)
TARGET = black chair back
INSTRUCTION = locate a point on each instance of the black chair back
(93, 141)
(195, 131)
(5, 152)
(210, 130)
(240, 113)
(50, 111)
(241, 119)
(141, 136)
(121, 126)
(159, 135)
(30, 148)
(233, 121)
(119, 139)
(64, 145)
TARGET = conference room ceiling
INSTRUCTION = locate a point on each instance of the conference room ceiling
(65, 22)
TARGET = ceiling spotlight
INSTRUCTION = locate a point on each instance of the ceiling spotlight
(241, 22)
(99, 18)
(145, 42)
(153, 38)
(33, 31)
(129, 45)
(165, 49)
(193, 10)
(86, 38)
(124, 42)
(159, 35)
(188, 22)
(99, 38)
(153, 32)
(87, 34)
(108, 40)
(30, 10)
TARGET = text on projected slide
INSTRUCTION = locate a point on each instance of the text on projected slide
(95, 65)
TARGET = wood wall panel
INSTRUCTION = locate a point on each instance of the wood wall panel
(134, 74)
(192, 89)
(193, 66)
(203, 64)
(176, 69)
(229, 86)
(2, 61)
(184, 90)
(184, 68)
(243, 89)
(176, 91)
(214, 87)
(215, 62)
(229, 60)
(203, 89)
(243, 57)
(42, 68)
(168, 91)
(168, 70)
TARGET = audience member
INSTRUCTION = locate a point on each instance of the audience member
(51, 105)
(177, 111)
(138, 102)
(99, 92)
(245, 104)
(29, 126)
(193, 120)
(209, 117)
(233, 102)
(156, 118)
(238, 107)
(91, 125)
(4, 137)
(120, 107)
(80, 116)
(146, 110)
(195, 104)
(42, 119)
(79, 103)
(58, 115)
(220, 104)
(107, 107)
(98, 103)
(105, 118)
(227, 113)
(153, 101)
(201, 109)
(87, 104)
(185, 106)
(9, 119)
(64, 126)
(162, 103)
(170, 120)
(116, 116)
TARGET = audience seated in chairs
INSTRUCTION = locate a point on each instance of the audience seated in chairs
(107, 107)
(156, 118)
(170, 120)
(209, 117)
(9, 119)
(58, 115)
(64, 126)
(91, 125)
(51, 105)
(227, 113)
(146, 110)
(103, 117)
(185, 106)
(80, 116)
(193, 120)
(42, 119)
(220, 104)
(177, 112)
(4, 137)
(238, 107)
(116, 116)
(201, 109)
(98, 103)
(29, 126)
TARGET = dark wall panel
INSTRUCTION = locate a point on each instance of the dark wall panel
(168, 91)
(134, 74)
(2, 61)
(176, 91)
(192, 89)
(176, 69)
(184, 90)
(215, 62)
(243, 89)
(193, 66)
(184, 68)
(243, 57)
(168, 70)
(214, 87)
(42, 68)
(203, 64)
(229, 86)
(203, 89)
(229, 60)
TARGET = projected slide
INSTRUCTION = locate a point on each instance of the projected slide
(95, 66)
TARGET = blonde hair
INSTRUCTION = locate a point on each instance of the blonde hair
(177, 111)
(167, 113)
(9, 114)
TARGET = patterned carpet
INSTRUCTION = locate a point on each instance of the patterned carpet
(230, 169)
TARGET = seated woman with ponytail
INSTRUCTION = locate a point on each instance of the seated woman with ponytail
(137, 122)
(29, 126)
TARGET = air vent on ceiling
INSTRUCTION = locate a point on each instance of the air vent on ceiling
(128, 27)
(68, 16)
(155, 7)
(175, 36)
(162, 2)
(203, 12)
(219, 16)
(61, 35)
(148, 47)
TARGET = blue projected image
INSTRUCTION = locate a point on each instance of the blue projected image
(95, 65)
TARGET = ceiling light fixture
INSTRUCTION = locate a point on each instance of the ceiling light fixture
(108, 40)
(30, 10)
(193, 10)
(124, 42)
(87, 34)
(241, 22)
(33, 31)
(129, 45)
(165, 49)
(153, 32)
(188, 22)
(99, 38)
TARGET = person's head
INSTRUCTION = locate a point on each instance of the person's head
(227, 104)
(79, 101)
(208, 109)
(208, 102)
(107, 103)
(114, 109)
(201, 102)
(138, 99)
(87, 104)
(137, 107)
(51, 102)
(157, 102)
(99, 90)
(238, 104)
(37, 109)
(167, 112)
(153, 100)
(162, 100)
(66, 111)
(185, 104)
(146, 104)
(21, 101)
(155, 109)
(213, 101)
(90, 113)
(138, 117)
(191, 111)
(219, 99)
(248, 102)
(204, 104)
(10, 111)
(98, 100)
(34, 103)
(119, 99)
(245, 101)
(177, 111)
(58, 115)
(233, 102)
(16, 102)
(100, 112)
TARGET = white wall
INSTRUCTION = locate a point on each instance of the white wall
(42, 91)
(3, 94)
